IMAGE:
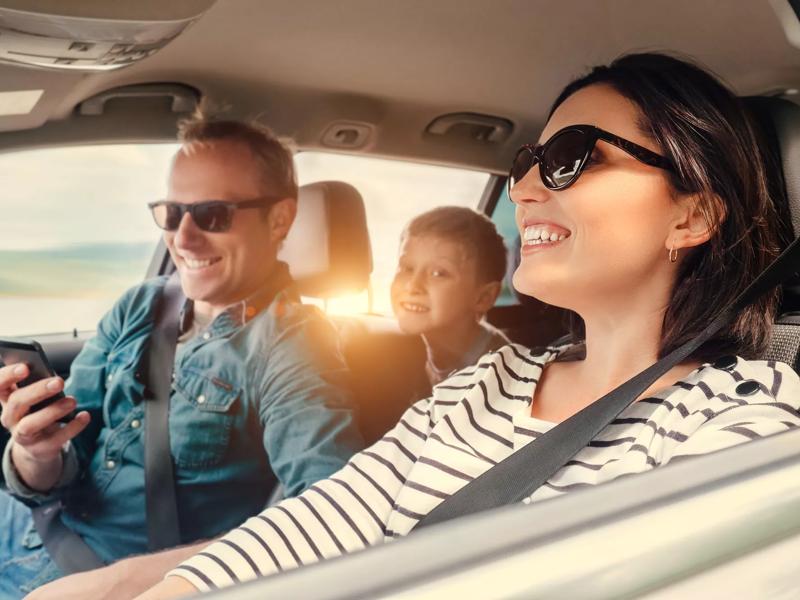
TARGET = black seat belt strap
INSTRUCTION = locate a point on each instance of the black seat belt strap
(163, 526)
(527, 469)
(65, 547)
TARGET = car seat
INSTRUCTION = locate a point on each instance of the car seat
(779, 121)
(328, 252)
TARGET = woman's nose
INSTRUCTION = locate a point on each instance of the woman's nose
(530, 188)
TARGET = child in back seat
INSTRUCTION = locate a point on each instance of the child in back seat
(452, 262)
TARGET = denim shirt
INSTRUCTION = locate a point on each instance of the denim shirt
(253, 398)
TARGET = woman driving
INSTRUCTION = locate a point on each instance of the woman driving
(644, 209)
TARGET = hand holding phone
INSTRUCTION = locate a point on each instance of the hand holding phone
(39, 368)
(32, 404)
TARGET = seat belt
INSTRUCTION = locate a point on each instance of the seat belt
(523, 472)
(163, 525)
(67, 548)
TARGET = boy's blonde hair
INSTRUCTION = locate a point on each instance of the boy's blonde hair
(474, 231)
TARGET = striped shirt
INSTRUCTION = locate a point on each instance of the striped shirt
(475, 419)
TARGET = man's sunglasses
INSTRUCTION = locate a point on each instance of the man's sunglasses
(563, 157)
(214, 216)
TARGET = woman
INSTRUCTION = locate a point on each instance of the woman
(644, 210)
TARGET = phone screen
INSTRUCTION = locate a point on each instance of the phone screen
(32, 355)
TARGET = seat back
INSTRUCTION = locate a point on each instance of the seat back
(328, 249)
(328, 252)
(779, 121)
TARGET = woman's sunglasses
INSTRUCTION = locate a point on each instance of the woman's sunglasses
(563, 157)
(214, 216)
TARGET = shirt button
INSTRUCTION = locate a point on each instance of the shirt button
(726, 363)
(747, 388)
(110, 464)
(206, 336)
(136, 423)
(526, 500)
(110, 377)
(201, 399)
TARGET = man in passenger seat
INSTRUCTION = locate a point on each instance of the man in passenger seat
(260, 391)
(449, 274)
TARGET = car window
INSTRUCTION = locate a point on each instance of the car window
(394, 191)
(503, 217)
(75, 232)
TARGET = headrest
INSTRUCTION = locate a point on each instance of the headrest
(779, 121)
(328, 249)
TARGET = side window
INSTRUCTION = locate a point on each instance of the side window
(503, 217)
(394, 192)
(75, 232)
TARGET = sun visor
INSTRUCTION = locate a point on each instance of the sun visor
(89, 35)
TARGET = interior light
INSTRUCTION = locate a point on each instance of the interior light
(18, 102)
(72, 40)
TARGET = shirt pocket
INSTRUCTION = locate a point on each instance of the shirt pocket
(202, 413)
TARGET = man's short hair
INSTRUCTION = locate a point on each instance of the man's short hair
(474, 231)
(273, 157)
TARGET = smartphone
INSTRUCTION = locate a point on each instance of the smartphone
(32, 354)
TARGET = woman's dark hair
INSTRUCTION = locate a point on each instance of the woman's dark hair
(707, 134)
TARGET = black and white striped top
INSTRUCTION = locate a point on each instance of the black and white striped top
(475, 419)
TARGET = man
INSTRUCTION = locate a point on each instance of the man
(258, 389)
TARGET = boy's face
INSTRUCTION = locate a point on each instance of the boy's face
(436, 286)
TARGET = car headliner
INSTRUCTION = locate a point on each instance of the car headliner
(302, 64)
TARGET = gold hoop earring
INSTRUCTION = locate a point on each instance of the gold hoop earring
(673, 254)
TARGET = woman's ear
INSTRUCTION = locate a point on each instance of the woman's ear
(281, 217)
(695, 222)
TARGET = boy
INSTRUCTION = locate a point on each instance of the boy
(452, 263)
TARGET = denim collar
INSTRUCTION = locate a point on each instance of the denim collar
(239, 313)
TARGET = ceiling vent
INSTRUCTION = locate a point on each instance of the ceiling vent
(90, 35)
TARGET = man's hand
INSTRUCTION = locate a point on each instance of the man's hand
(37, 437)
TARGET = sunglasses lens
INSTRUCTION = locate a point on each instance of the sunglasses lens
(214, 217)
(520, 167)
(563, 158)
(167, 216)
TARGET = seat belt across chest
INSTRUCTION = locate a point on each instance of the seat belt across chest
(526, 470)
(163, 524)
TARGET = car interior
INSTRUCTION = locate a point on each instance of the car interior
(453, 84)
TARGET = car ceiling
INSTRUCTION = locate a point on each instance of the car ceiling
(300, 65)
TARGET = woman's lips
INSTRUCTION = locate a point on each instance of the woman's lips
(542, 235)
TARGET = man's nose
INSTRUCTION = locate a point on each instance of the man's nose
(187, 231)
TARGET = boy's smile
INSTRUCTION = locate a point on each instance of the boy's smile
(435, 286)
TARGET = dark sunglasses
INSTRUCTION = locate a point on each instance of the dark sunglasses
(214, 216)
(563, 157)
